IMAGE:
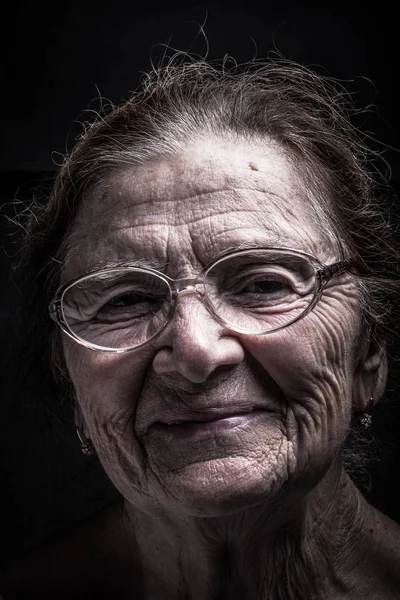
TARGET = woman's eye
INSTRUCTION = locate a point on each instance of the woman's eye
(265, 287)
(127, 300)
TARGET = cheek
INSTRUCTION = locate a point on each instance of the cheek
(312, 362)
(107, 388)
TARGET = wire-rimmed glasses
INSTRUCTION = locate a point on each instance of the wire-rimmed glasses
(255, 291)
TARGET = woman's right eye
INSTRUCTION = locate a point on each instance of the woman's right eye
(129, 299)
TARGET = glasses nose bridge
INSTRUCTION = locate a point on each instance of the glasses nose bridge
(188, 285)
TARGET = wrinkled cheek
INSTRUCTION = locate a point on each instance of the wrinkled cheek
(123, 461)
(110, 381)
(107, 388)
(313, 369)
(303, 368)
(112, 430)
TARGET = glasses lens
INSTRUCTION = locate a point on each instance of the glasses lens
(117, 309)
(259, 291)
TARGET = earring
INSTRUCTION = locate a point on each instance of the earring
(85, 445)
(366, 418)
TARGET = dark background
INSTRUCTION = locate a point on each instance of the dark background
(56, 60)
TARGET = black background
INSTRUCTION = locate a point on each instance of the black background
(56, 60)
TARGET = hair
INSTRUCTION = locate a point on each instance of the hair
(309, 116)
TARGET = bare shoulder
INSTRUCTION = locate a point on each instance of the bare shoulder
(89, 561)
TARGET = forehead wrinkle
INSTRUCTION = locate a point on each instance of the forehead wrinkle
(187, 177)
(267, 229)
(190, 173)
(214, 194)
(253, 237)
(202, 225)
(181, 218)
(185, 211)
(88, 253)
(187, 183)
(142, 207)
(202, 241)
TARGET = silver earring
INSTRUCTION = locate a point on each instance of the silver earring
(366, 418)
(85, 445)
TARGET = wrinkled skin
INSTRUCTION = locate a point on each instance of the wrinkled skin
(178, 215)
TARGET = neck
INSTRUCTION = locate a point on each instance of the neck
(292, 548)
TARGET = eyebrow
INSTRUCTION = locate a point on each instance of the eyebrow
(248, 245)
(161, 266)
(128, 262)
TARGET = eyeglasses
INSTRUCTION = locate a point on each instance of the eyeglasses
(254, 292)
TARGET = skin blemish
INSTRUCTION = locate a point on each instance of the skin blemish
(253, 166)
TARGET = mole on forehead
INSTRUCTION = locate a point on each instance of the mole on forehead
(171, 193)
(195, 174)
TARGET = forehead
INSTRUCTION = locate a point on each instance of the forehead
(209, 199)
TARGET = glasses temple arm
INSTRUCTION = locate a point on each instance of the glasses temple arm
(55, 311)
(329, 271)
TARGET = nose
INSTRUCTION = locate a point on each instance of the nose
(195, 345)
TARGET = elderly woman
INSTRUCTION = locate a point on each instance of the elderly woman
(219, 281)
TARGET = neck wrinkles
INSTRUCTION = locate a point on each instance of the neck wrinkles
(289, 549)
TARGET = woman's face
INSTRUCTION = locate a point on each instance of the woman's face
(284, 399)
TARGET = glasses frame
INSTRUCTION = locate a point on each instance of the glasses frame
(195, 285)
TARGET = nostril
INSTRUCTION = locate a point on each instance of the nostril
(162, 361)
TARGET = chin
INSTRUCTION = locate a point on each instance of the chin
(224, 486)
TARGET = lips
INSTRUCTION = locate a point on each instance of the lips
(207, 425)
(208, 416)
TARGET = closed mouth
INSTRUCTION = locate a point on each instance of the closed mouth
(209, 416)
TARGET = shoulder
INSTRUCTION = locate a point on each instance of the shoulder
(89, 561)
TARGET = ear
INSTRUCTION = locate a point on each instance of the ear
(370, 375)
